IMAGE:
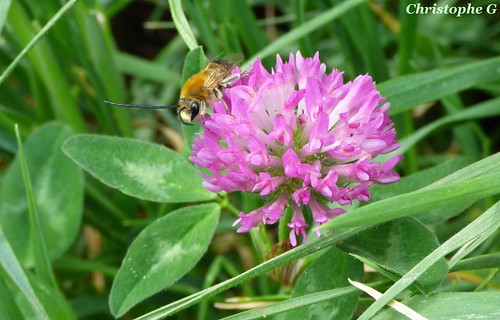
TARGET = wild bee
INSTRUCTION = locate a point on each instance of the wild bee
(202, 90)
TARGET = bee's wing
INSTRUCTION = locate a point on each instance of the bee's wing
(217, 71)
(230, 61)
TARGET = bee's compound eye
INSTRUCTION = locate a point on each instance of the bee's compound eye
(195, 109)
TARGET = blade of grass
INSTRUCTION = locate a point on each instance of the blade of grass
(182, 24)
(229, 37)
(406, 38)
(114, 7)
(490, 108)
(4, 8)
(199, 16)
(304, 29)
(219, 265)
(406, 92)
(141, 68)
(13, 268)
(10, 309)
(106, 80)
(465, 134)
(305, 44)
(37, 38)
(42, 263)
(406, 44)
(418, 201)
(362, 32)
(293, 303)
(481, 228)
(480, 262)
(287, 257)
(412, 203)
(246, 26)
(45, 63)
(477, 169)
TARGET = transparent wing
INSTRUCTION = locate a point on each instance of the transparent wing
(220, 69)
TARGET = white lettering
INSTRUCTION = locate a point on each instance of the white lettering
(408, 8)
(492, 8)
(459, 11)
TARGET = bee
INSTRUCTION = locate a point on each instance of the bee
(202, 90)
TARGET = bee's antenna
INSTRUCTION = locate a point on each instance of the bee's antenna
(126, 105)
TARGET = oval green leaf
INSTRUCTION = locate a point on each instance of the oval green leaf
(58, 191)
(162, 253)
(137, 168)
(398, 246)
(329, 271)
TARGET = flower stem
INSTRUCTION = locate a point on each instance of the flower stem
(223, 200)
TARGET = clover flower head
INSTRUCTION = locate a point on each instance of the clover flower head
(298, 136)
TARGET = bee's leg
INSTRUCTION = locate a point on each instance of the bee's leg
(203, 111)
(232, 78)
(218, 95)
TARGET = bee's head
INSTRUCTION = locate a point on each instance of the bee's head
(187, 110)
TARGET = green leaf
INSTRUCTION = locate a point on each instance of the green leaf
(58, 190)
(137, 168)
(162, 253)
(456, 305)
(392, 246)
(409, 91)
(194, 62)
(329, 271)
